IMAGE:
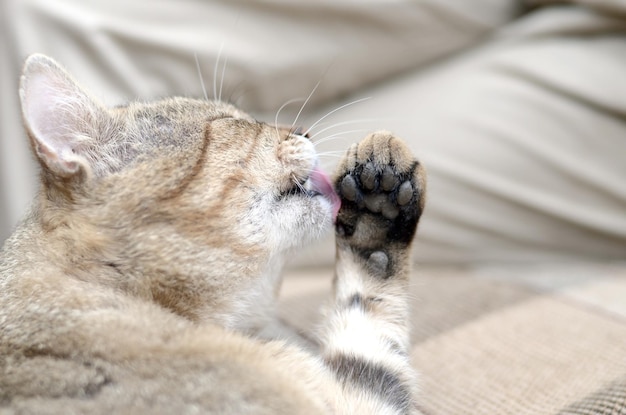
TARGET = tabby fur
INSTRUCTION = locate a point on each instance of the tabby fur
(144, 277)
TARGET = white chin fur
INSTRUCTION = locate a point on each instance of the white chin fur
(303, 221)
(282, 225)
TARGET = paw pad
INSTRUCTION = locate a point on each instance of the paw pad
(380, 184)
(349, 188)
(378, 192)
(405, 193)
(377, 263)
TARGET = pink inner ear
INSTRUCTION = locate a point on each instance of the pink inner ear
(45, 114)
(51, 105)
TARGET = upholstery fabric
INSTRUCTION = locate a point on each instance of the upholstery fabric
(517, 112)
(505, 339)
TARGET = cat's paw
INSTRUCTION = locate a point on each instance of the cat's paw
(382, 187)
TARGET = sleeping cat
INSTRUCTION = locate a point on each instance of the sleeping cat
(144, 277)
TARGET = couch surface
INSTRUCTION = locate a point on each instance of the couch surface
(505, 339)
(516, 111)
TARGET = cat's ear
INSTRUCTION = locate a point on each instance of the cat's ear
(61, 118)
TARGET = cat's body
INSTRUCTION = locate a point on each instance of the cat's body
(144, 278)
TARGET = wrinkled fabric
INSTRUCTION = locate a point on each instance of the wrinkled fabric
(517, 113)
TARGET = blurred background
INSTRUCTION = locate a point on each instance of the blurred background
(517, 108)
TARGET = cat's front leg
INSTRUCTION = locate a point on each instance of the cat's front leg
(366, 345)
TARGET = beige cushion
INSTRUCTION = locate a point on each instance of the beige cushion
(523, 139)
(509, 339)
(518, 117)
(269, 51)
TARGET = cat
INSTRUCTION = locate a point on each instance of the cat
(144, 277)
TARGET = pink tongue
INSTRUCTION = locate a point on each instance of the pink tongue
(321, 183)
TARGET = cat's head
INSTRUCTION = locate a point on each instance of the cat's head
(174, 180)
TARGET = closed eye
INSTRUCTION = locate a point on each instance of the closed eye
(299, 188)
(300, 131)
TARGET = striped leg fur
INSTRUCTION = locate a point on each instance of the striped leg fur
(366, 344)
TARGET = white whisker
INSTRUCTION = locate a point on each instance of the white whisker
(239, 91)
(206, 96)
(219, 97)
(299, 185)
(334, 111)
(291, 101)
(217, 63)
(362, 120)
(306, 101)
(337, 135)
(331, 154)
